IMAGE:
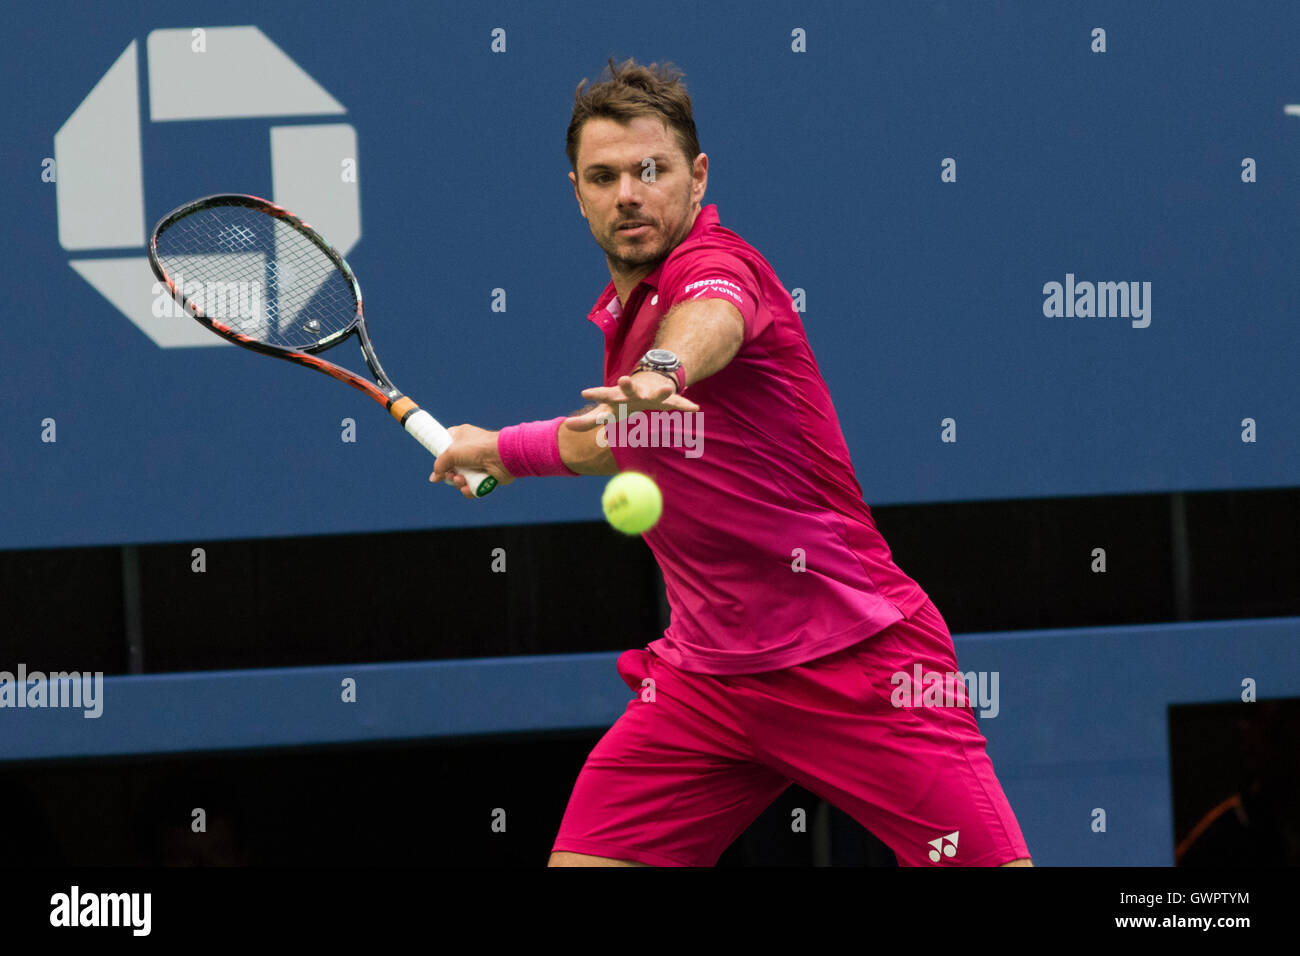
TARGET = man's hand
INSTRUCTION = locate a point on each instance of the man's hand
(471, 447)
(641, 391)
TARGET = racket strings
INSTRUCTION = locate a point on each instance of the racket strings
(258, 275)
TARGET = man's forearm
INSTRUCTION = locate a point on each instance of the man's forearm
(705, 334)
(583, 453)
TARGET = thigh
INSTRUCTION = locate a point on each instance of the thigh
(672, 783)
(856, 729)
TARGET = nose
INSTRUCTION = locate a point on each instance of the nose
(629, 190)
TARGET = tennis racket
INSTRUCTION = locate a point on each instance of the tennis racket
(260, 277)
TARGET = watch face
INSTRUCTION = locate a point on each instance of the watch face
(661, 357)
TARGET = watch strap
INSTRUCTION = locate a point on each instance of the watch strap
(677, 373)
(671, 376)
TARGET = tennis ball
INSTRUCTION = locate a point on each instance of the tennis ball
(632, 502)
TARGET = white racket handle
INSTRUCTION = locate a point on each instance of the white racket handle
(425, 429)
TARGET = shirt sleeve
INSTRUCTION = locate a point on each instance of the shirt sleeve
(714, 274)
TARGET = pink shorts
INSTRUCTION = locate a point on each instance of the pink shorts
(695, 758)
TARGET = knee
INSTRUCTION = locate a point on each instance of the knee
(562, 858)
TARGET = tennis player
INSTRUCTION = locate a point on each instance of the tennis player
(794, 638)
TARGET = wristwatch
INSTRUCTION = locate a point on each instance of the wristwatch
(665, 363)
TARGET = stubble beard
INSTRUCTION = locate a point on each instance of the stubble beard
(644, 256)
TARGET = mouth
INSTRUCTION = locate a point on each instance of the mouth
(633, 228)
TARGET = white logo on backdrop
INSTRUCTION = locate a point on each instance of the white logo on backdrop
(239, 74)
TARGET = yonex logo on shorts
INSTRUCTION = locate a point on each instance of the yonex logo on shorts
(944, 846)
(933, 689)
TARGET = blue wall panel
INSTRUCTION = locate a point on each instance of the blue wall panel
(1081, 724)
(924, 299)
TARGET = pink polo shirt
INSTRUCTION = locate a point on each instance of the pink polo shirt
(769, 555)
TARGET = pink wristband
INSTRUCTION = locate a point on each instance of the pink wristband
(532, 449)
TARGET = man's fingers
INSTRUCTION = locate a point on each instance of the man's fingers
(442, 467)
(681, 402)
(629, 389)
(458, 481)
(644, 390)
(603, 395)
(585, 423)
(635, 396)
(471, 448)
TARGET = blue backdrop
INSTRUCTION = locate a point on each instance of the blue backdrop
(924, 298)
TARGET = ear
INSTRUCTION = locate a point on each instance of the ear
(699, 177)
(576, 195)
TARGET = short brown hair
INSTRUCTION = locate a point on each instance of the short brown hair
(633, 90)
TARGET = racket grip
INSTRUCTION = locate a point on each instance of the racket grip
(425, 429)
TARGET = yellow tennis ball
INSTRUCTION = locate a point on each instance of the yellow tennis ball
(632, 502)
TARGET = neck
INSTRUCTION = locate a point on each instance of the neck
(625, 282)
